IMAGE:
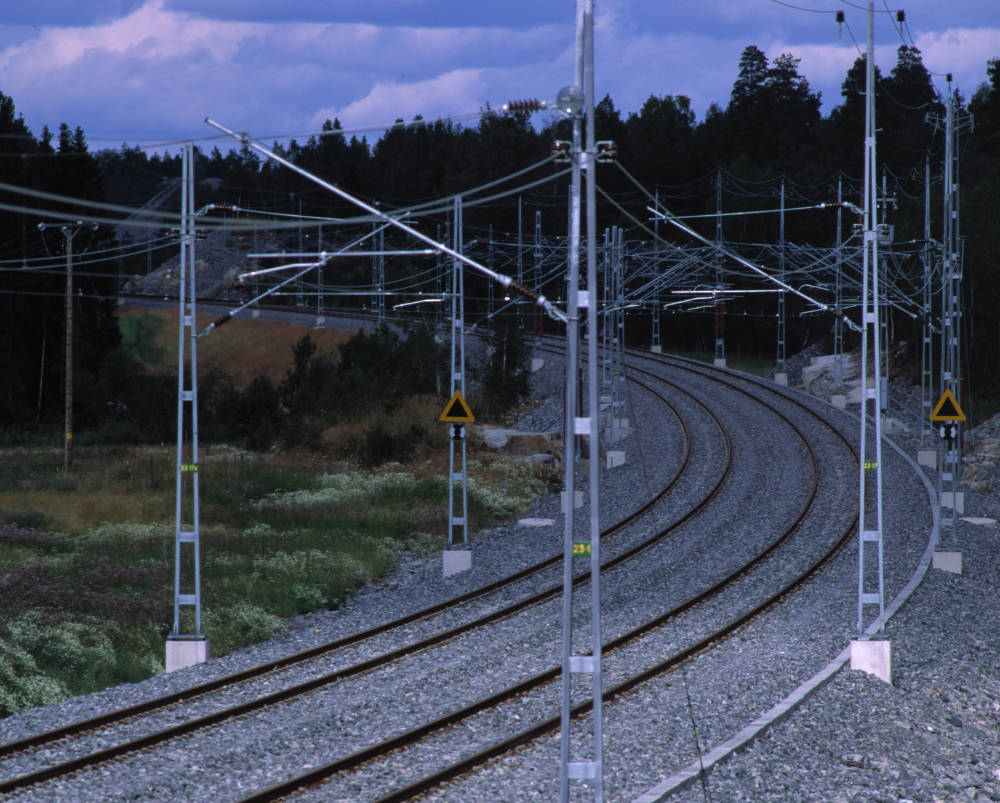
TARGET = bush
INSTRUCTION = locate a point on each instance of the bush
(306, 580)
(44, 659)
(22, 683)
(383, 443)
(239, 624)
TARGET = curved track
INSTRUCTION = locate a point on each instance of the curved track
(117, 750)
(623, 681)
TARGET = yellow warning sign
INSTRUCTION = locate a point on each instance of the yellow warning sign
(456, 411)
(947, 408)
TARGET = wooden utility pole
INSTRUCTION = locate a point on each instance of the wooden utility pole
(69, 232)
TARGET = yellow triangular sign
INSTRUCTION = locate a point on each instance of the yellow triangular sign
(947, 408)
(456, 411)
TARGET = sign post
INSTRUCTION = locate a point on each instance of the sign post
(457, 556)
(947, 416)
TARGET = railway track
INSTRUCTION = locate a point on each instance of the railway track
(486, 704)
(624, 680)
(145, 741)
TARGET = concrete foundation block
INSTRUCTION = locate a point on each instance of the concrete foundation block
(928, 457)
(457, 560)
(719, 362)
(537, 364)
(947, 561)
(873, 657)
(656, 348)
(185, 652)
(781, 378)
(954, 499)
(255, 313)
(577, 500)
(320, 320)
(616, 458)
(839, 400)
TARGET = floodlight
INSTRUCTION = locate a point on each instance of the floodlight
(569, 100)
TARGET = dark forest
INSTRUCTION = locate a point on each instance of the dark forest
(771, 129)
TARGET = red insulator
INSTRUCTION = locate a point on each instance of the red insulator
(531, 105)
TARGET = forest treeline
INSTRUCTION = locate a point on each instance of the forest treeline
(771, 128)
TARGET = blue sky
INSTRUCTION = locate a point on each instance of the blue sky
(148, 72)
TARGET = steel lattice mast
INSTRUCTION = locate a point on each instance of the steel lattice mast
(583, 155)
(870, 459)
(184, 645)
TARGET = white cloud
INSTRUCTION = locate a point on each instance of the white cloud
(156, 72)
(962, 51)
(441, 96)
(161, 71)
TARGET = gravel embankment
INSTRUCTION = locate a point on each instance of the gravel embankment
(933, 734)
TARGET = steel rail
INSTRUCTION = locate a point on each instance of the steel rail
(185, 695)
(543, 727)
(414, 735)
(548, 725)
(189, 726)
(112, 752)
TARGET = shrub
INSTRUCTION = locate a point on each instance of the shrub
(44, 658)
(22, 683)
(504, 375)
(239, 624)
(381, 443)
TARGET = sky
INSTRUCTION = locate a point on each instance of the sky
(147, 72)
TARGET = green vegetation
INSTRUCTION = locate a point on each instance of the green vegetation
(86, 558)
(504, 374)
(307, 501)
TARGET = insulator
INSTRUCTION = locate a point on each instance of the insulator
(529, 105)
(607, 150)
(840, 17)
(561, 149)
(900, 17)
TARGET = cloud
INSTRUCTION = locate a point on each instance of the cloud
(440, 96)
(962, 51)
(159, 72)
(513, 14)
(156, 71)
(65, 12)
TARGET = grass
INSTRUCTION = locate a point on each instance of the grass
(86, 557)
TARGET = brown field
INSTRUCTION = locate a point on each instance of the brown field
(242, 348)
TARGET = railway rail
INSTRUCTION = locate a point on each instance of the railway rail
(323, 651)
(538, 680)
(629, 681)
